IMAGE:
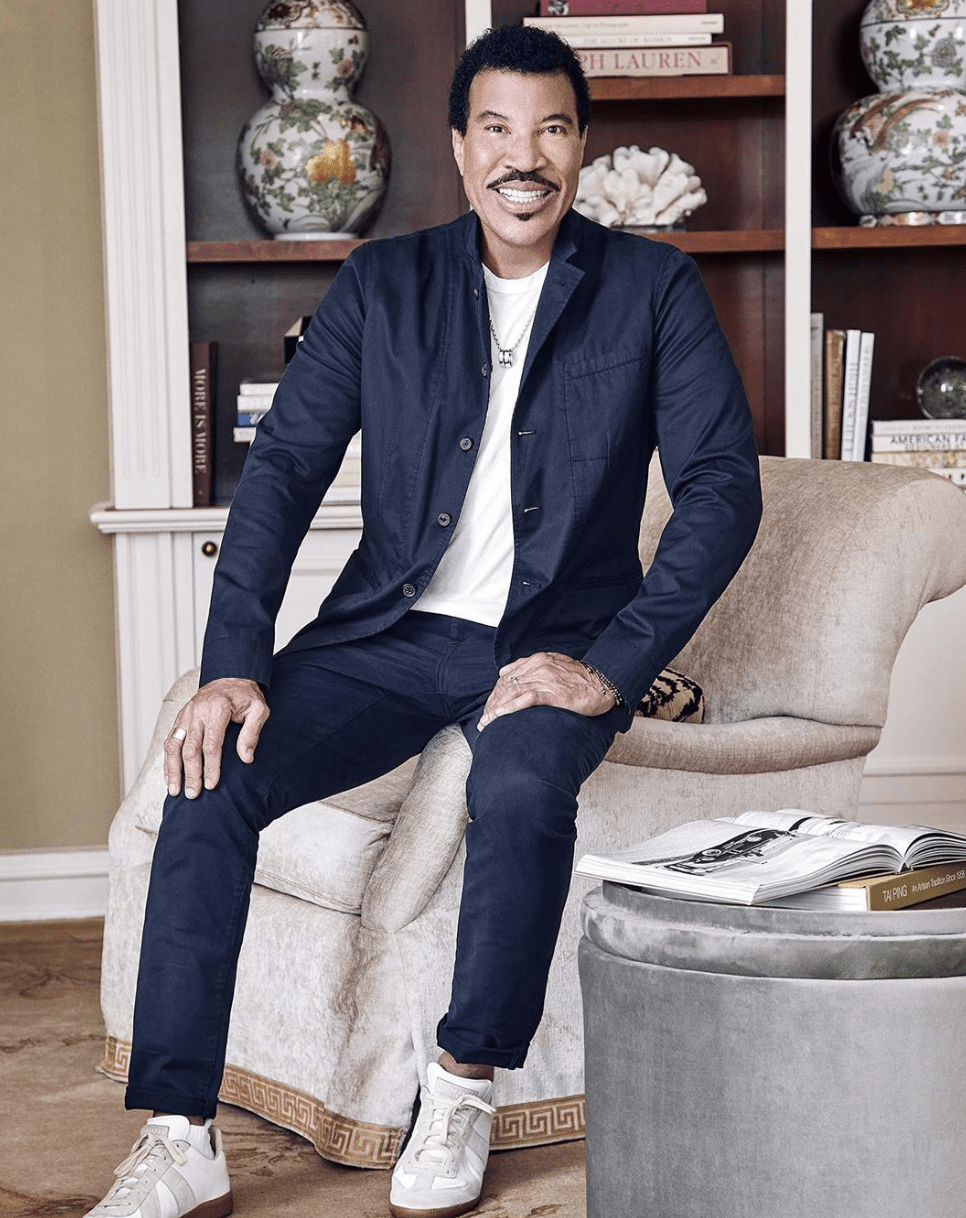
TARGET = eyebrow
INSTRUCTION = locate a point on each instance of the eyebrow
(488, 115)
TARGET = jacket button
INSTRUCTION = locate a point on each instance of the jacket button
(466, 444)
(408, 590)
(444, 518)
(485, 369)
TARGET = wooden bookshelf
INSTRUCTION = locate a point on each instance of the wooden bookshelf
(641, 88)
(891, 237)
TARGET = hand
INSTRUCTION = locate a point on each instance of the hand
(204, 720)
(546, 678)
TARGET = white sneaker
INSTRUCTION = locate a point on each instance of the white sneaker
(440, 1171)
(175, 1170)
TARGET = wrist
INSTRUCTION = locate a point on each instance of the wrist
(607, 686)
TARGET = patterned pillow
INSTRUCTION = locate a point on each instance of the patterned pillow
(673, 696)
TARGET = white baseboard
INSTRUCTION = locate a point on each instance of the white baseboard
(43, 885)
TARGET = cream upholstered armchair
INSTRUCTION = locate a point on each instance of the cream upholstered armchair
(346, 963)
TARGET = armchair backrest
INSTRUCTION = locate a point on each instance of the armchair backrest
(846, 556)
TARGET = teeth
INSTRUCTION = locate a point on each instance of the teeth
(522, 196)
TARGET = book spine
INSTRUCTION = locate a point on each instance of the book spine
(899, 441)
(243, 435)
(255, 401)
(608, 42)
(202, 362)
(714, 60)
(901, 891)
(618, 8)
(816, 335)
(249, 418)
(923, 458)
(647, 23)
(862, 394)
(928, 427)
(850, 385)
(834, 348)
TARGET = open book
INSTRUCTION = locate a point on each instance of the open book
(758, 857)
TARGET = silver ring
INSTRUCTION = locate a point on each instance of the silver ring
(514, 680)
(179, 734)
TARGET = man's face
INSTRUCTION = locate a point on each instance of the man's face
(519, 160)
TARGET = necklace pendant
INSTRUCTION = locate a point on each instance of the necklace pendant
(506, 356)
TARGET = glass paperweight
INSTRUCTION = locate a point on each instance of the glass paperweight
(941, 389)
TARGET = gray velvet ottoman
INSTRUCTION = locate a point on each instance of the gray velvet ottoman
(764, 1063)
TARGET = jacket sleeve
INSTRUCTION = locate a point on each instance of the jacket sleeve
(703, 429)
(297, 451)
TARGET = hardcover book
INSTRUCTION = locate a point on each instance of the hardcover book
(646, 23)
(618, 8)
(758, 857)
(202, 358)
(882, 892)
(712, 60)
(834, 352)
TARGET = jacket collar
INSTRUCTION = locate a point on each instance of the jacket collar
(467, 229)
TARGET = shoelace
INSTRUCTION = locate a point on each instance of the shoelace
(154, 1142)
(437, 1147)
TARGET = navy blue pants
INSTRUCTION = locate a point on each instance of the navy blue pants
(340, 716)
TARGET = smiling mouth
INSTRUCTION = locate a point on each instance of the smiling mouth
(513, 195)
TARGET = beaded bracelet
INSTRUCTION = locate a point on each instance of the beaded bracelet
(607, 685)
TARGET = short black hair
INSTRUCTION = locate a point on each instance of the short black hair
(516, 48)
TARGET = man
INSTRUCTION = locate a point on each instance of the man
(512, 373)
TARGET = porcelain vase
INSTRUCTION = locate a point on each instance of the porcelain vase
(313, 163)
(914, 44)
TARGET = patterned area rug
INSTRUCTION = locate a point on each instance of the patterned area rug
(65, 1127)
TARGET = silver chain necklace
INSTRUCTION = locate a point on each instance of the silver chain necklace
(506, 353)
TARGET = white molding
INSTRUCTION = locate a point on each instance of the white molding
(798, 226)
(110, 520)
(41, 885)
(144, 240)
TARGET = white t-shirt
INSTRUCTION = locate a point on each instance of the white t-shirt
(473, 577)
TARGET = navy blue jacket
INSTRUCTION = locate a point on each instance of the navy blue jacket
(625, 354)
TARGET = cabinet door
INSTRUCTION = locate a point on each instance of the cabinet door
(320, 559)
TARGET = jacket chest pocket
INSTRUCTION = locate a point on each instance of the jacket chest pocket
(604, 402)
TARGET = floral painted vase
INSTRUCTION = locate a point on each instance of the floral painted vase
(914, 44)
(312, 162)
(901, 157)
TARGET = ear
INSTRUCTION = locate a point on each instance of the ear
(457, 149)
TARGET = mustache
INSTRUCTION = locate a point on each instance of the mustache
(522, 175)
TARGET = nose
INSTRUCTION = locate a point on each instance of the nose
(525, 152)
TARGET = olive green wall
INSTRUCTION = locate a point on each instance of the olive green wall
(58, 739)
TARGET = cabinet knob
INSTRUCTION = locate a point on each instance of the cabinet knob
(210, 549)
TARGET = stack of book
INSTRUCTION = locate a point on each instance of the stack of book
(938, 445)
(792, 858)
(841, 381)
(639, 37)
(253, 402)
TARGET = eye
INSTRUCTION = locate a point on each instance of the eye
(555, 129)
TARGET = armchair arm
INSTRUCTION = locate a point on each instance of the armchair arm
(753, 746)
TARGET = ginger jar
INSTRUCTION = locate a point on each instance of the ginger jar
(313, 163)
(914, 44)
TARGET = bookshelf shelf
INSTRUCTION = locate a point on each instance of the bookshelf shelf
(641, 88)
(898, 237)
(728, 241)
(270, 251)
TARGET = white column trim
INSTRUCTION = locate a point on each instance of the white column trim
(798, 224)
(479, 17)
(144, 241)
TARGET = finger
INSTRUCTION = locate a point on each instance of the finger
(508, 696)
(212, 744)
(251, 728)
(192, 759)
(172, 760)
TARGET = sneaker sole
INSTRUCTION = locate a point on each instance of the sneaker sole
(452, 1211)
(219, 1207)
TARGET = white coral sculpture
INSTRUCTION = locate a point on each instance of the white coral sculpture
(633, 189)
